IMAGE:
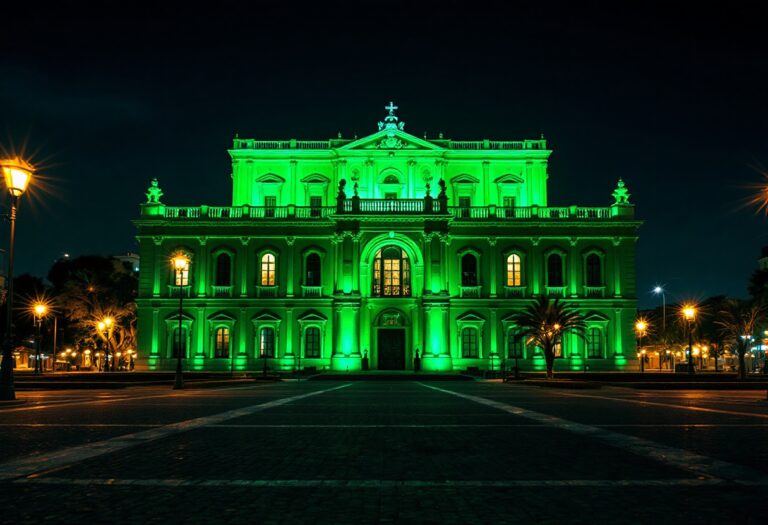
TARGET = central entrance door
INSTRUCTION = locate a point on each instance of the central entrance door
(391, 348)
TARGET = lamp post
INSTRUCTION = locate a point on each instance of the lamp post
(640, 328)
(17, 174)
(102, 332)
(658, 290)
(181, 267)
(108, 323)
(39, 310)
(689, 313)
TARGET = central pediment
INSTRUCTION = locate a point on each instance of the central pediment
(391, 139)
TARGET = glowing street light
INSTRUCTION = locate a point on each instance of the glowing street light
(688, 312)
(641, 327)
(180, 263)
(38, 310)
(17, 174)
(658, 290)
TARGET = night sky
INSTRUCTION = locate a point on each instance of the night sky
(674, 101)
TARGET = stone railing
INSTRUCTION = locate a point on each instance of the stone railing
(555, 291)
(594, 291)
(512, 292)
(266, 291)
(221, 291)
(373, 207)
(464, 145)
(311, 291)
(173, 290)
(472, 292)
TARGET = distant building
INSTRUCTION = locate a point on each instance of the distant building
(385, 247)
(130, 258)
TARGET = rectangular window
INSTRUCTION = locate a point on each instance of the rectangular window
(222, 342)
(312, 342)
(390, 196)
(469, 342)
(558, 350)
(509, 206)
(515, 343)
(269, 206)
(464, 204)
(267, 342)
(594, 343)
(315, 206)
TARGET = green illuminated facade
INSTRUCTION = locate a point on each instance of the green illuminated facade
(383, 247)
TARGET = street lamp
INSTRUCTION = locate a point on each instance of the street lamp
(39, 310)
(640, 328)
(689, 314)
(102, 329)
(17, 174)
(181, 267)
(658, 290)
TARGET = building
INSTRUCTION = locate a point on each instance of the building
(337, 253)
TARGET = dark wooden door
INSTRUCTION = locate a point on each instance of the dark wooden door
(391, 348)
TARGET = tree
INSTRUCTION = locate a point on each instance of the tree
(758, 286)
(92, 290)
(543, 324)
(738, 321)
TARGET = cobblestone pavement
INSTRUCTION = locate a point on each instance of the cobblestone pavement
(385, 452)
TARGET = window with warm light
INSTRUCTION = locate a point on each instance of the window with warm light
(514, 270)
(181, 275)
(222, 342)
(391, 273)
(268, 269)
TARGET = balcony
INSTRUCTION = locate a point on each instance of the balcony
(514, 292)
(555, 291)
(221, 291)
(266, 292)
(594, 291)
(311, 291)
(470, 292)
(371, 208)
(173, 290)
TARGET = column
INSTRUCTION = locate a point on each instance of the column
(616, 267)
(201, 261)
(289, 332)
(536, 267)
(293, 175)
(411, 185)
(574, 277)
(290, 276)
(356, 262)
(427, 251)
(242, 263)
(494, 264)
(486, 182)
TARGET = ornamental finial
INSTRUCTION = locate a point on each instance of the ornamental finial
(621, 194)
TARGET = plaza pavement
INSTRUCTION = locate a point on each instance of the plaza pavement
(385, 452)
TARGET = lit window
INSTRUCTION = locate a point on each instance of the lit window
(222, 342)
(267, 342)
(469, 342)
(514, 270)
(312, 342)
(391, 273)
(268, 270)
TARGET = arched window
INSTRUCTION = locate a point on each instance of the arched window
(469, 342)
(515, 342)
(312, 342)
(594, 270)
(391, 179)
(223, 270)
(222, 342)
(267, 342)
(391, 273)
(514, 270)
(594, 343)
(179, 343)
(469, 270)
(312, 276)
(268, 270)
(554, 270)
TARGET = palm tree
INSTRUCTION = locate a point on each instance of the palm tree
(543, 324)
(738, 320)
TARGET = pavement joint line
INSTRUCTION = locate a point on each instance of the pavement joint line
(387, 483)
(686, 460)
(169, 394)
(39, 463)
(669, 405)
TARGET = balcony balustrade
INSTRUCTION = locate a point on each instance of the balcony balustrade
(266, 292)
(173, 290)
(405, 207)
(221, 291)
(470, 292)
(514, 292)
(594, 291)
(555, 291)
(311, 291)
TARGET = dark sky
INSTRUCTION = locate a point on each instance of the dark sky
(673, 100)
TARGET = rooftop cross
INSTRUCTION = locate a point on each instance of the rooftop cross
(391, 120)
(391, 108)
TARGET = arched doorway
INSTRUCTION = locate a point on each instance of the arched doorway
(391, 341)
